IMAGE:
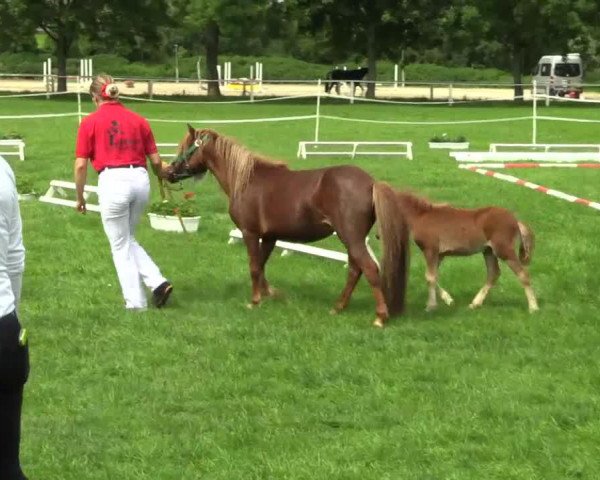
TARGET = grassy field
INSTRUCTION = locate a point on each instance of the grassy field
(208, 389)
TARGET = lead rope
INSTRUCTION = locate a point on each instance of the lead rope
(164, 188)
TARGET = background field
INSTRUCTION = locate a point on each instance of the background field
(207, 389)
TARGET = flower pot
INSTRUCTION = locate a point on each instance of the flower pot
(168, 223)
(27, 196)
(450, 145)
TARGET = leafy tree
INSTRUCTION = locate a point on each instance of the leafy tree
(373, 28)
(113, 22)
(513, 34)
(208, 21)
(16, 33)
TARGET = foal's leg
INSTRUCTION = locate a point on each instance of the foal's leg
(493, 272)
(508, 255)
(444, 295)
(354, 273)
(266, 248)
(254, 258)
(431, 257)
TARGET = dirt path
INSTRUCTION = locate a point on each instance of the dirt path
(436, 92)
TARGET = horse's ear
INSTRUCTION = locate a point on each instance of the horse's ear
(191, 130)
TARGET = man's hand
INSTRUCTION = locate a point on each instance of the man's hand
(81, 208)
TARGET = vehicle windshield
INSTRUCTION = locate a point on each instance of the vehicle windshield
(567, 70)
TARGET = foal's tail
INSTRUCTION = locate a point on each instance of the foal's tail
(393, 231)
(527, 243)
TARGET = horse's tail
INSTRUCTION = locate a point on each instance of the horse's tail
(527, 243)
(394, 234)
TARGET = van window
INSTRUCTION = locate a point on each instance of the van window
(567, 70)
(545, 70)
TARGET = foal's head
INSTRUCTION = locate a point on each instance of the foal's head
(193, 155)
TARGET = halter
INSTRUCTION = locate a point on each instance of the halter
(184, 157)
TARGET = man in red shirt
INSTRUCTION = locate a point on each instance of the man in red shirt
(117, 142)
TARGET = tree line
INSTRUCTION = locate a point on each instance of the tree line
(508, 34)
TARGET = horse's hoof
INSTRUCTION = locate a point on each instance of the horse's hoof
(275, 293)
(474, 306)
(378, 322)
(334, 311)
(448, 300)
(250, 306)
(534, 309)
(430, 308)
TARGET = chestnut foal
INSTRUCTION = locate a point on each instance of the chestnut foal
(441, 230)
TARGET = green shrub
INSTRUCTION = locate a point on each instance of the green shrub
(186, 206)
(24, 185)
(444, 138)
(11, 135)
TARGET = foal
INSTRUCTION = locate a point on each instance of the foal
(441, 230)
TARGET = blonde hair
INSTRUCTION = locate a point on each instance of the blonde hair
(103, 87)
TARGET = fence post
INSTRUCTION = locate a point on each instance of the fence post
(430, 92)
(547, 95)
(396, 75)
(79, 114)
(352, 86)
(318, 110)
(150, 89)
(534, 116)
(450, 96)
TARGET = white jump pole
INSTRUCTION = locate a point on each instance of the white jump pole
(79, 113)
(219, 74)
(261, 73)
(227, 72)
(46, 78)
(318, 110)
(534, 116)
(396, 76)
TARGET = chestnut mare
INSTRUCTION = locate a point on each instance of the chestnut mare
(441, 230)
(270, 202)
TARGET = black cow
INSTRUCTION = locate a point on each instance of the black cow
(337, 77)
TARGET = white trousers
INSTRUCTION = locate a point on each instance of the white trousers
(123, 194)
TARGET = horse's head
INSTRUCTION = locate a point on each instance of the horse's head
(191, 160)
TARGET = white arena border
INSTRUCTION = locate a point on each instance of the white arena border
(446, 122)
(57, 193)
(44, 94)
(559, 157)
(407, 152)
(212, 103)
(240, 120)
(424, 102)
(236, 236)
(529, 165)
(533, 186)
(494, 147)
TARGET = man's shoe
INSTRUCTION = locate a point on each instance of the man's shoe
(160, 295)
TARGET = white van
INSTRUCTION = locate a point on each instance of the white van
(560, 75)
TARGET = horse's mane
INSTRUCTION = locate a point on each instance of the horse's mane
(414, 202)
(241, 162)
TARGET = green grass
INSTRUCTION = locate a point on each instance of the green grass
(208, 389)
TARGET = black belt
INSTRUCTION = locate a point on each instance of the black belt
(120, 166)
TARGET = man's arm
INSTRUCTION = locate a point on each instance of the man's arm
(80, 173)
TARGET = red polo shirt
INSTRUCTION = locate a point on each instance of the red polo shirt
(113, 136)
